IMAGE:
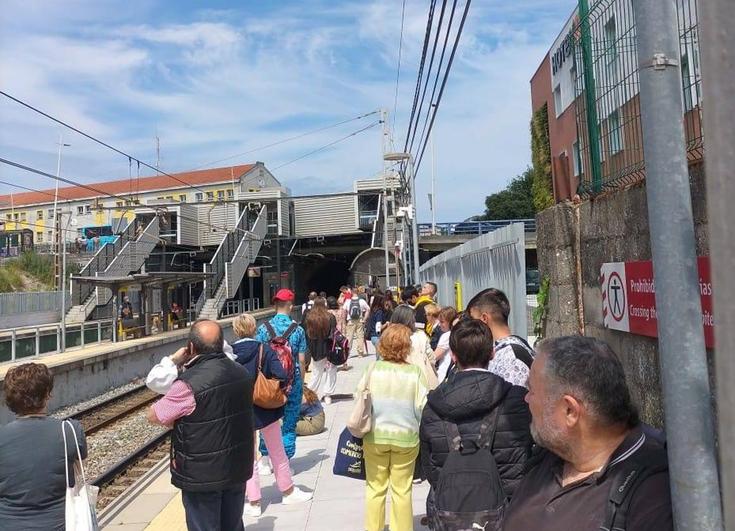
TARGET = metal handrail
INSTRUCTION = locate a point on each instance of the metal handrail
(18, 334)
(474, 227)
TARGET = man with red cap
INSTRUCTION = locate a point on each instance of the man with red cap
(283, 326)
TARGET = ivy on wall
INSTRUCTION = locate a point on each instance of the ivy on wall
(542, 189)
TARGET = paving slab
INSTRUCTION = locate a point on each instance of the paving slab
(338, 504)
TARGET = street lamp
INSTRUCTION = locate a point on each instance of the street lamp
(73, 223)
(411, 179)
(61, 144)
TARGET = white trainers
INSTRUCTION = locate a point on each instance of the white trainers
(264, 466)
(327, 399)
(296, 496)
(253, 511)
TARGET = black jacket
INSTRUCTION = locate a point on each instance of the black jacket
(212, 449)
(465, 398)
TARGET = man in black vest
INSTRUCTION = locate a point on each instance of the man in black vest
(210, 407)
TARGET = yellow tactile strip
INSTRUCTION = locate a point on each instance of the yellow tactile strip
(171, 518)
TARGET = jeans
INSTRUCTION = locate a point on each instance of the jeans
(272, 436)
(214, 511)
(374, 340)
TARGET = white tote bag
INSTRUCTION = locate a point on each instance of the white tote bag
(81, 498)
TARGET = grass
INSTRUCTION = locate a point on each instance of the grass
(29, 272)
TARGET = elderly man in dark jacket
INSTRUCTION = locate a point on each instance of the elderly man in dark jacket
(465, 399)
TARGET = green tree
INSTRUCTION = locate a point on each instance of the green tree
(515, 202)
(543, 196)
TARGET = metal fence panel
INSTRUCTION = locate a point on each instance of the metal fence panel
(31, 301)
(493, 260)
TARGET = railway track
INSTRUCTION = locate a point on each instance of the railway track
(101, 415)
(117, 479)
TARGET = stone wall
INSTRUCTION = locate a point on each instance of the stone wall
(611, 228)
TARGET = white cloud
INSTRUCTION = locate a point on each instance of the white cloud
(213, 83)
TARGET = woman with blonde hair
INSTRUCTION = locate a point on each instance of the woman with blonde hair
(398, 392)
(320, 325)
(421, 353)
(256, 356)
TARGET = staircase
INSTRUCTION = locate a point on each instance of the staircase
(120, 258)
(235, 253)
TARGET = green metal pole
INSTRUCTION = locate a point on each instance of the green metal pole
(593, 131)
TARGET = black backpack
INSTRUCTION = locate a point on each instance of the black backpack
(469, 493)
(355, 311)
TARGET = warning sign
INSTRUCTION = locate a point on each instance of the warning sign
(629, 298)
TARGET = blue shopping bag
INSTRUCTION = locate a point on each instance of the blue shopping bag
(349, 461)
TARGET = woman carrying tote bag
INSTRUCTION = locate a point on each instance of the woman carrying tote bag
(395, 393)
(33, 455)
(257, 357)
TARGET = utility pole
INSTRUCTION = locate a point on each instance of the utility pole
(433, 181)
(414, 220)
(158, 151)
(385, 147)
(56, 191)
(695, 496)
(716, 20)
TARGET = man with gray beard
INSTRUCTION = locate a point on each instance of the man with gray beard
(601, 468)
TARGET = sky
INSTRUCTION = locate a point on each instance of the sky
(216, 79)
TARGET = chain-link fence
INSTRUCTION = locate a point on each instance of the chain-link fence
(607, 92)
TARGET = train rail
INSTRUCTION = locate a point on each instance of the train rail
(101, 415)
(122, 475)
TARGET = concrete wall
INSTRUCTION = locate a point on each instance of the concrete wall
(81, 375)
(612, 228)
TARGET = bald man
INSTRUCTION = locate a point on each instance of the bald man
(210, 407)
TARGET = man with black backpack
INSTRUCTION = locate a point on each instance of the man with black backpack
(601, 468)
(288, 339)
(513, 356)
(475, 437)
(356, 308)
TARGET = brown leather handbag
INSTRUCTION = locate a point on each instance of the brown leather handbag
(267, 392)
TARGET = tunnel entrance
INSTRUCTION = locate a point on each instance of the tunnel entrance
(319, 273)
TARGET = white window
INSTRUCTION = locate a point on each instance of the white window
(39, 214)
(80, 210)
(49, 235)
(210, 196)
(611, 52)
(182, 198)
(230, 193)
(615, 133)
(39, 237)
(220, 194)
(557, 100)
(576, 158)
(50, 213)
(169, 198)
(199, 197)
(23, 216)
(88, 209)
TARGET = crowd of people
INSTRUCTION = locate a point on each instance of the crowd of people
(507, 436)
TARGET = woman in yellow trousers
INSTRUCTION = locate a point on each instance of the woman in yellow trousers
(398, 391)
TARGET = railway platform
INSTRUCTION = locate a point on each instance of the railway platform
(338, 503)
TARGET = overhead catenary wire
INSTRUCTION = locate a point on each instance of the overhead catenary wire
(285, 140)
(94, 139)
(428, 73)
(69, 181)
(326, 146)
(398, 69)
(436, 79)
(427, 36)
(443, 85)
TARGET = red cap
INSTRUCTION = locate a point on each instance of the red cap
(285, 295)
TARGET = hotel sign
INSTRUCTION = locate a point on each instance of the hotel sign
(629, 298)
(563, 52)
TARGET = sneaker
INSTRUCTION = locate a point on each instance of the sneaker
(251, 510)
(327, 399)
(264, 466)
(296, 496)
